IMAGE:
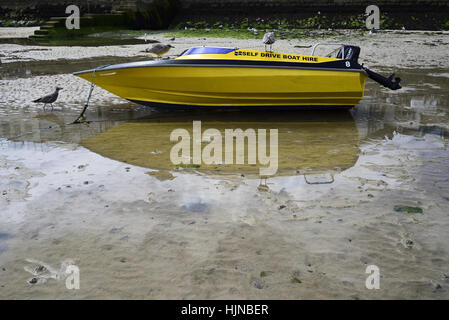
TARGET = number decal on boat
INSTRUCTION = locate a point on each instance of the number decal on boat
(348, 64)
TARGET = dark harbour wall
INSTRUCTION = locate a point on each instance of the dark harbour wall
(424, 14)
(156, 14)
(152, 14)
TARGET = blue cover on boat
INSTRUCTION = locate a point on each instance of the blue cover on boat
(206, 50)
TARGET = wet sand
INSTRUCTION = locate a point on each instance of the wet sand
(139, 229)
(23, 32)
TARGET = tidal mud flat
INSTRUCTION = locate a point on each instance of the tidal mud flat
(366, 187)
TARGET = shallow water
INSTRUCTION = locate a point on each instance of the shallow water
(105, 195)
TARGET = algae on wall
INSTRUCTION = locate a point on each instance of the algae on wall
(157, 15)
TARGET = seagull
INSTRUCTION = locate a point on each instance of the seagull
(159, 49)
(268, 38)
(49, 98)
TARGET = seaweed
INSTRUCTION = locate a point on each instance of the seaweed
(407, 209)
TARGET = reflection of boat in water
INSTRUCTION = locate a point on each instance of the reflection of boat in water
(225, 77)
(307, 142)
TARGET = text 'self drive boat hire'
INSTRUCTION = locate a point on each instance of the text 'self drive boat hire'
(207, 76)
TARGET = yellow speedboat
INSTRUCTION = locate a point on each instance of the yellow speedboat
(231, 77)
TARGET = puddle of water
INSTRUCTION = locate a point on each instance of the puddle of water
(23, 124)
(307, 141)
(3, 241)
(329, 213)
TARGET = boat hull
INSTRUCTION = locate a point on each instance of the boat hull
(231, 86)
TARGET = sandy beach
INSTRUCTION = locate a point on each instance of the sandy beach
(73, 194)
(401, 49)
(23, 32)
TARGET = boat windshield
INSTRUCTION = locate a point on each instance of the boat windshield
(335, 53)
(207, 50)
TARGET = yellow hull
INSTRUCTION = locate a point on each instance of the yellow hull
(232, 86)
(224, 77)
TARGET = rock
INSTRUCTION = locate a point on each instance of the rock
(116, 230)
(436, 286)
(257, 284)
(408, 243)
(295, 280)
(264, 274)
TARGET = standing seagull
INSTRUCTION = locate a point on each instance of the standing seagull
(49, 98)
(159, 49)
(268, 38)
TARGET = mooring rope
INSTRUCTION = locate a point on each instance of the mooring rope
(92, 86)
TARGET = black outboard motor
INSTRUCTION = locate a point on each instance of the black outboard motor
(386, 82)
(352, 53)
